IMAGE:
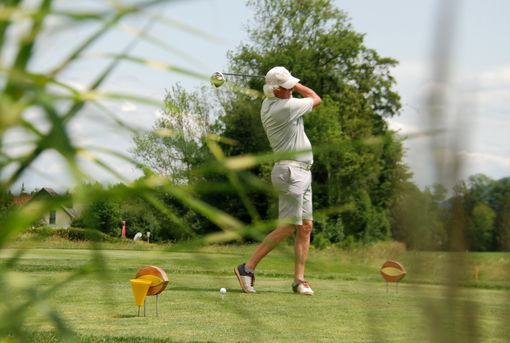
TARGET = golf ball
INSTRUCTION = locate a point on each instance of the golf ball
(223, 291)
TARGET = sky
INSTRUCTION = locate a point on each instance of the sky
(477, 88)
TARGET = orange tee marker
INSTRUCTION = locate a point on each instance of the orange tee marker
(393, 271)
(156, 275)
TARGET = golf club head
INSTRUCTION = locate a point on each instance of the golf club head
(217, 79)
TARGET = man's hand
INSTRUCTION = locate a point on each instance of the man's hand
(308, 93)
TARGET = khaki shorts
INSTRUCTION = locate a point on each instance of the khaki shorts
(294, 186)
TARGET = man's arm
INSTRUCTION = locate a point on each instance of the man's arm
(308, 93)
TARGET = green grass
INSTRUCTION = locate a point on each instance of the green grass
(351, 303)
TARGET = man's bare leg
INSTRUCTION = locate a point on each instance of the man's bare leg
(301, 247)
(271, 241)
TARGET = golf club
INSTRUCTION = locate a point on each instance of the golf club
(218, 78)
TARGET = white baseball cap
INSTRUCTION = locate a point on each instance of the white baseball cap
(280, 76)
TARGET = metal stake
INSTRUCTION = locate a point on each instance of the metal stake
(138, 311)
(157, 304)
(144, 308)
(245, 75)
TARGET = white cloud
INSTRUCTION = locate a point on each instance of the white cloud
(54, 164)
(124, 168)
(128, 107)
(475, 116)
(48, 170)
(411, 70)
(499, 161)
(492, 165)
(17, 141)
(77, 85)
(495, 89)
(496, 76)
(403, 128)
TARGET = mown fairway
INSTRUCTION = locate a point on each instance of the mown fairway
(351, 303)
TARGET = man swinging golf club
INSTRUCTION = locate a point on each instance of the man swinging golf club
(281, 116)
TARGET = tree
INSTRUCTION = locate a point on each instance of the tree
(141, 216)
(358, 160)
(416, 217)
(480, 188)
(6, 200)
(503, 228)
(175, 144)
(476, 216)
(481, 228)
(100, 212)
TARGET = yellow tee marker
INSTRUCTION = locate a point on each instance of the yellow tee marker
(155, 281)
(150, 280)
(140, 288)
(391, 271)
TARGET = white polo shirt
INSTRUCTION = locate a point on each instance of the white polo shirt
(282, 120)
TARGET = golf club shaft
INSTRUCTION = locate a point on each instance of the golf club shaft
(244, 75)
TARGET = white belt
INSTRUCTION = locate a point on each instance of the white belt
(299, 164)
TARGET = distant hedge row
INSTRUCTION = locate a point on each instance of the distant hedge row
(72, 234)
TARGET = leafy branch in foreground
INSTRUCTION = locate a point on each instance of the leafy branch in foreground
(58, 104)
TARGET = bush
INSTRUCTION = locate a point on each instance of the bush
(42, 232)
(330, 229)
(349, 242)
(320, 241)
(72, 234)
(76, 234)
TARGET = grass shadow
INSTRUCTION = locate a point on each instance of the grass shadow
(125, 316)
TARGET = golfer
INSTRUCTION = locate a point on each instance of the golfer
(281, 116)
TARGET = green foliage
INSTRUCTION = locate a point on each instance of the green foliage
(417, 218)
(176, 142)
(467, 220)
(327, 230)
(503, 224)
(101, 213)
(76, 234)
(25, 89)
(52, 337)
(481, 228)
(320, 242)
(349, 282)
(478, 211)
(108, 207)
(6, 199)
(377, 227)
(311, 38)
(349, 242)
(357, 160)
(140, 217)
(72, 234)
(474, 218)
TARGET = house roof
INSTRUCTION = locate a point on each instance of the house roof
(70, 212)
(48, 190)
(21, 199)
